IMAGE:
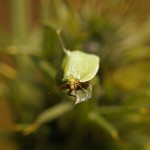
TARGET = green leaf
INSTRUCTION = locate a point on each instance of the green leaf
(49, 115)
(104, 124)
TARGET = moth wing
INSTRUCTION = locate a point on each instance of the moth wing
(81, 66)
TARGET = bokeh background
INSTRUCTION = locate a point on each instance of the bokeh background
(35, 114)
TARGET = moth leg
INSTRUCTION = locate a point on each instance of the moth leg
(77, 98)
(82, 88)
(69, 93)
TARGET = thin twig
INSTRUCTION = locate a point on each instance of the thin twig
(61, 42)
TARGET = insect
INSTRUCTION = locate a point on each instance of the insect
(78, 68)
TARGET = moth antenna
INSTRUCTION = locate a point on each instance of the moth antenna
(65, 85)
(51, 92)
(61, 42)
(60, 86)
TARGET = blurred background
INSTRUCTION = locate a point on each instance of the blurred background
(35, 114)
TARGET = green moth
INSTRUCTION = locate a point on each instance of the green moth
(78, 68)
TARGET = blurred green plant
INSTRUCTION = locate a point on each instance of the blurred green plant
(29, 60)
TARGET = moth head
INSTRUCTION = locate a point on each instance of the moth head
(73, 84)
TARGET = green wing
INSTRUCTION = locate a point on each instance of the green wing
(80, 66)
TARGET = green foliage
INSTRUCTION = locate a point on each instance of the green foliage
(117, 115)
